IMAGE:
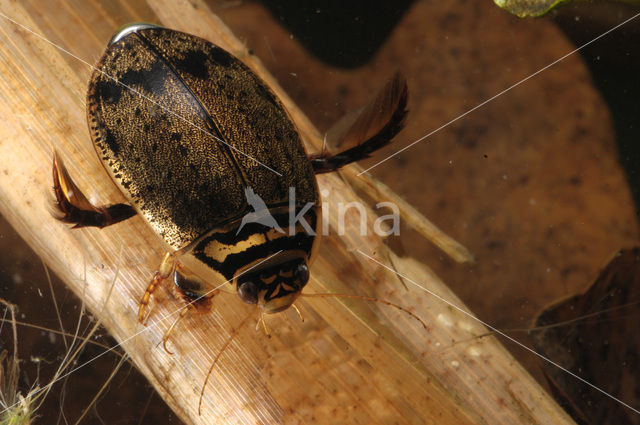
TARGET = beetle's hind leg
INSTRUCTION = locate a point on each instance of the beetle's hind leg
(374, 127)
(73, 207)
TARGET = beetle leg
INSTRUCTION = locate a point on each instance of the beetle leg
(375, 126)
(165, 338)
(142, 308)
(193, 291)
(76, 208)
(166, 268)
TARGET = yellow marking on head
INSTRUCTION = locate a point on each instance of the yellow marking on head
(287, 287)
(268, 280)
(276, 305)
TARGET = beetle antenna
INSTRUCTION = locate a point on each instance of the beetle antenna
(298, 311)
(165, 338)
(234, 332)
(264, 325)
(366, 298)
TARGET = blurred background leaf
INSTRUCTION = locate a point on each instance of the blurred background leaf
(535, 8)
(593, 335)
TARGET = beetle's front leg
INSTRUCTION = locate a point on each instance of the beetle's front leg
(193, 292)
(166, 269)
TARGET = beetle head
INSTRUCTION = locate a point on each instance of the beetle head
(275, 286)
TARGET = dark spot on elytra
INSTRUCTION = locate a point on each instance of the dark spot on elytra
(112, 142)
(194, 63)
(176, 137)
(154, 147)
(108, 91)
(146, 128)
(183, 150)
(148, 81)
(137, 112)
(221, 57)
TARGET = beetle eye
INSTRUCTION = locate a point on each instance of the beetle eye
(248, 292)
(301, 273)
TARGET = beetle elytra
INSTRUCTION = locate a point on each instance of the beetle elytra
(204, 151)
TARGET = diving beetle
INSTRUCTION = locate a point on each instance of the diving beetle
(197, 143)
